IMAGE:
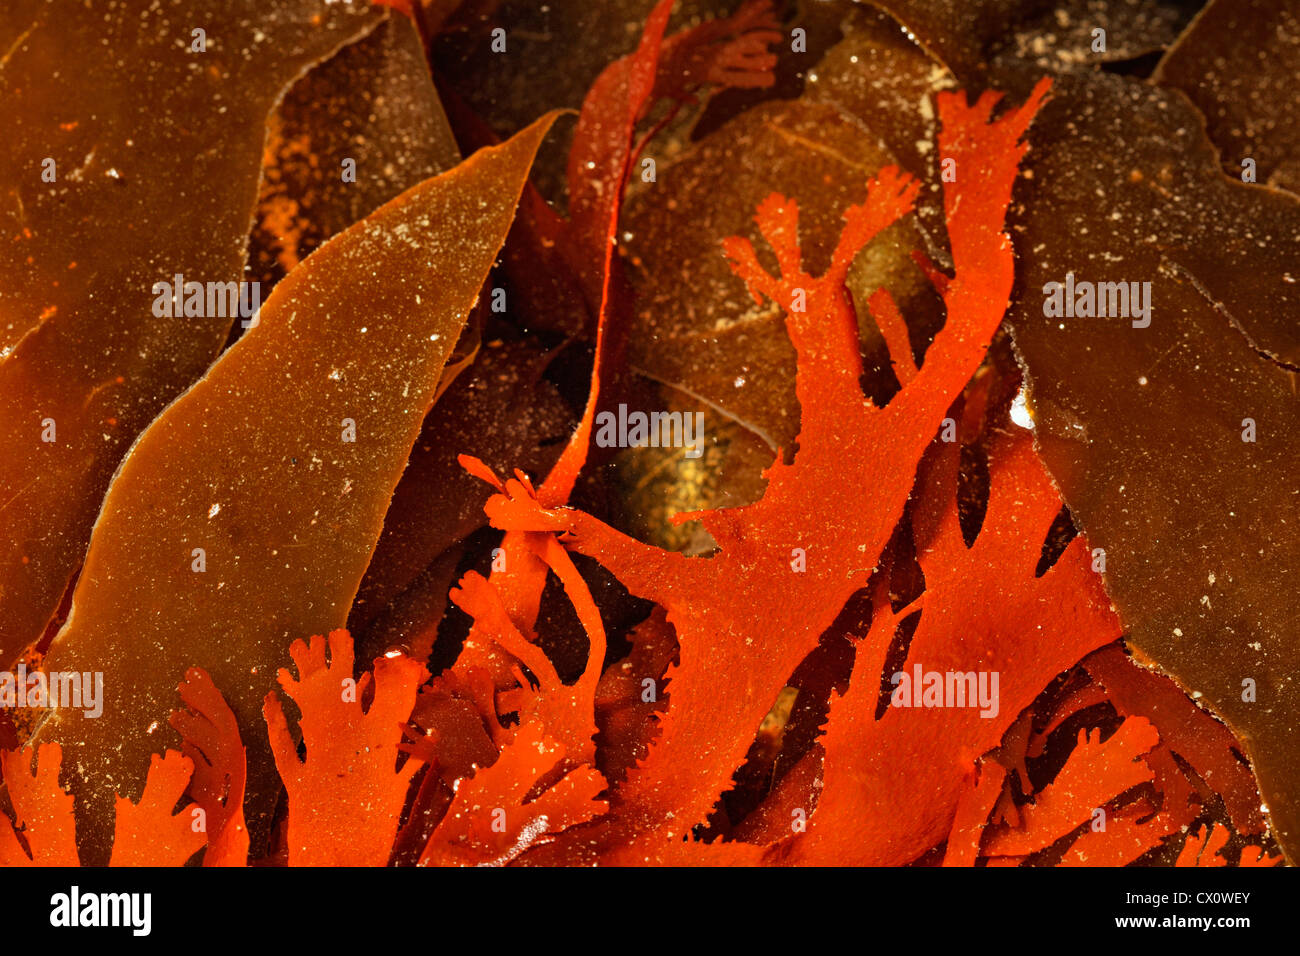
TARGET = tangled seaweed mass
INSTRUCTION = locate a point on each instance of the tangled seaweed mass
(649, 433)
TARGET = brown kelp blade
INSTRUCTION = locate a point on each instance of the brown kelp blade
(1165, 420)
(246, 514)
(358, 130)
(122, 164)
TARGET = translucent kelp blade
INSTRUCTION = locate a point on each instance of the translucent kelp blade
(266, 485)
(155, 150)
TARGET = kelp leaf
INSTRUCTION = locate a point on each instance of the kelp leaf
(157, 151)
(372, 104)
(1238, 62)
(1195, 542)
(976, 37)
(266, 485)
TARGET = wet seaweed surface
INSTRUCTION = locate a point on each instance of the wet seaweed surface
(463, 432)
